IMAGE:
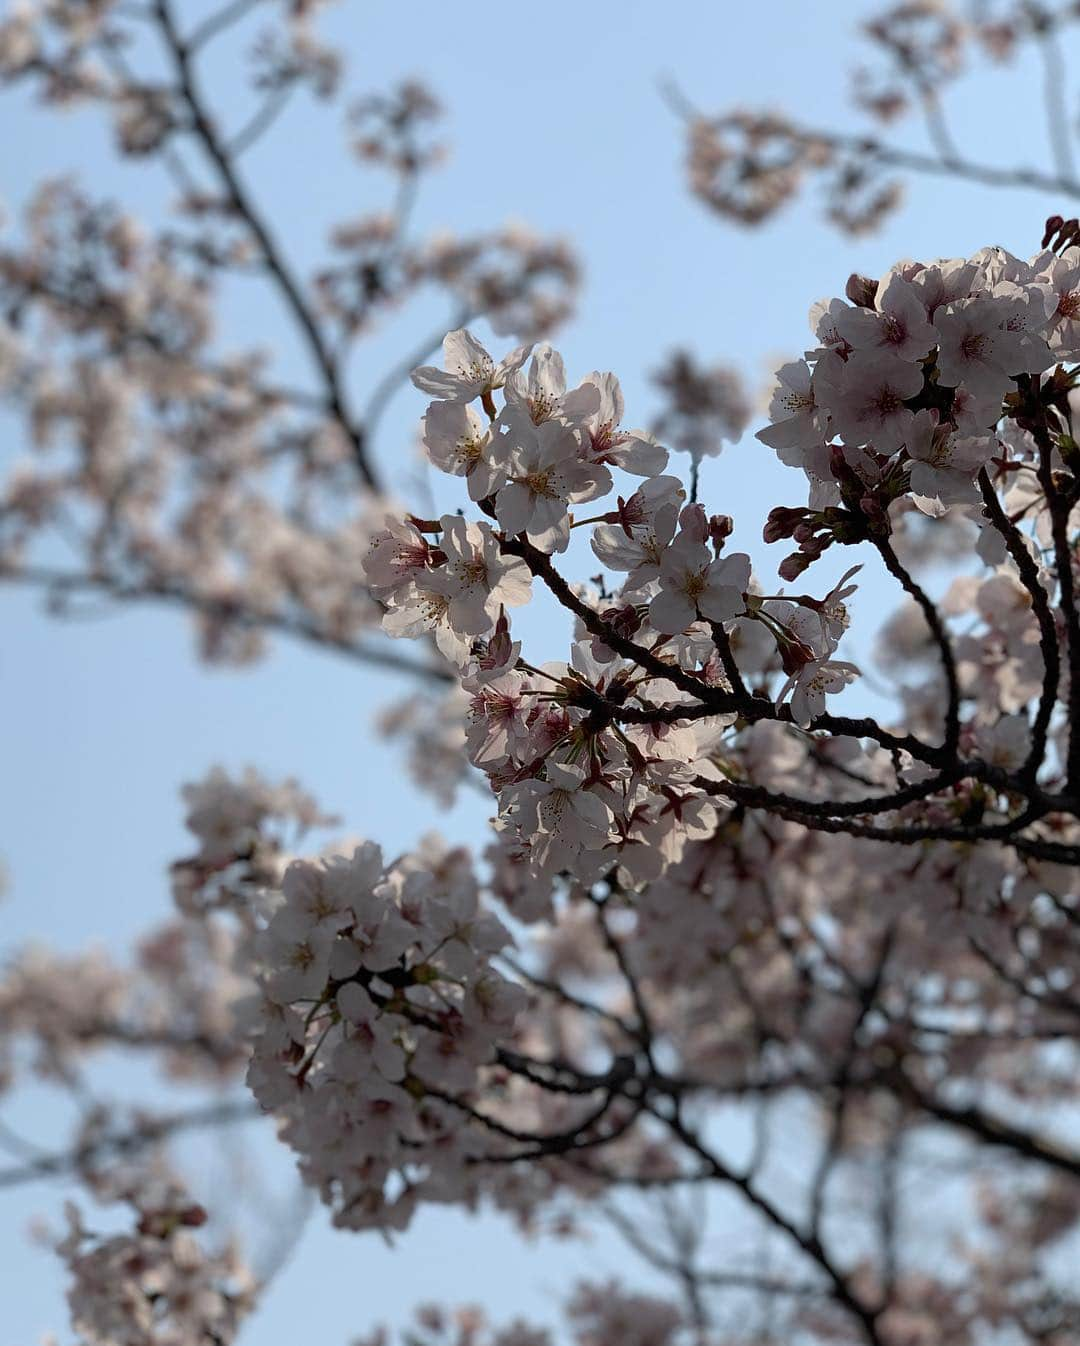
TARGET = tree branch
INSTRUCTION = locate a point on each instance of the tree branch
(244, 209)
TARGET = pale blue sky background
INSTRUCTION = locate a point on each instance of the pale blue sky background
(554, 118)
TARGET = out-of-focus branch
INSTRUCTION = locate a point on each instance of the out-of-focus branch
(115, 1144)
(60, 583)
(218, 22)
(277, 267)
(260, 122)
(1055, 98)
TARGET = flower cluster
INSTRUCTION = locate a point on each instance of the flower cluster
(156, 1286)
(912, 374)
(591, 760)
(706, 406)
(854, 940)
(747, 164)
(379, 1012)
(245, 828)
(597, 1314)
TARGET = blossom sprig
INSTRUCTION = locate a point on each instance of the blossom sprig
(726, 894)
(911, 380)
(615, 757)
(155, 1285)
(590, 759)
(379, 1009)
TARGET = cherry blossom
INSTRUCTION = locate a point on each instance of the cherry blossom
(979, 349)
(547, 474)
(944, 464)
(640, 529)
(541, 394)
(869, 401)
(480, 579)
(725, 894)
(693, 583)
(156, 1286)
(797, 422)
(896, 323)
(470, 372)
(460, 442)
(560, 815)
(632, 450)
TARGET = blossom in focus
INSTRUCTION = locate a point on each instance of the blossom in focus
(693, 584)
(469, 371)
(547, 474)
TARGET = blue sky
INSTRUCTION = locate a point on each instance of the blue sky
(554, 118)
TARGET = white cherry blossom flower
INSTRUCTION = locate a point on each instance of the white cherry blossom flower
(868, 404)
(498, 713)
(397, 556)
(798, 423)
(978, 350)
(560, 816)
(470, 371)
(1007, 743)
(633, 450)
(647, 523)
(693, 585)
(944, 464)
(896, 325)
(810, 686)
(541, 394)
(546, 475)
(974, 413)
(371, 1040)
(449, 1060)
(477, 578)
(1062, 277)
(943, 283)
(298, 953)
(825, 317)
(459, 441)
(426, 609)
(314, 900)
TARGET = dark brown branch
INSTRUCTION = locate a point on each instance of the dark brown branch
(244, 209)
(712, 700)
(993, 1130)
(1060, 508)
(937, 629)
(808, 1243)
(1040, 604)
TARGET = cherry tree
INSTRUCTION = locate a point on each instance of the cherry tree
(733, 945)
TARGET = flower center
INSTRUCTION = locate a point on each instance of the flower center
(1069, 304)
(540, 483)
(433, 606)
(886, 402)
(472, 572)
(605, 440)
(895, 331)
(975, 346)
(480, 371)
(469, 451)
(695, 584)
